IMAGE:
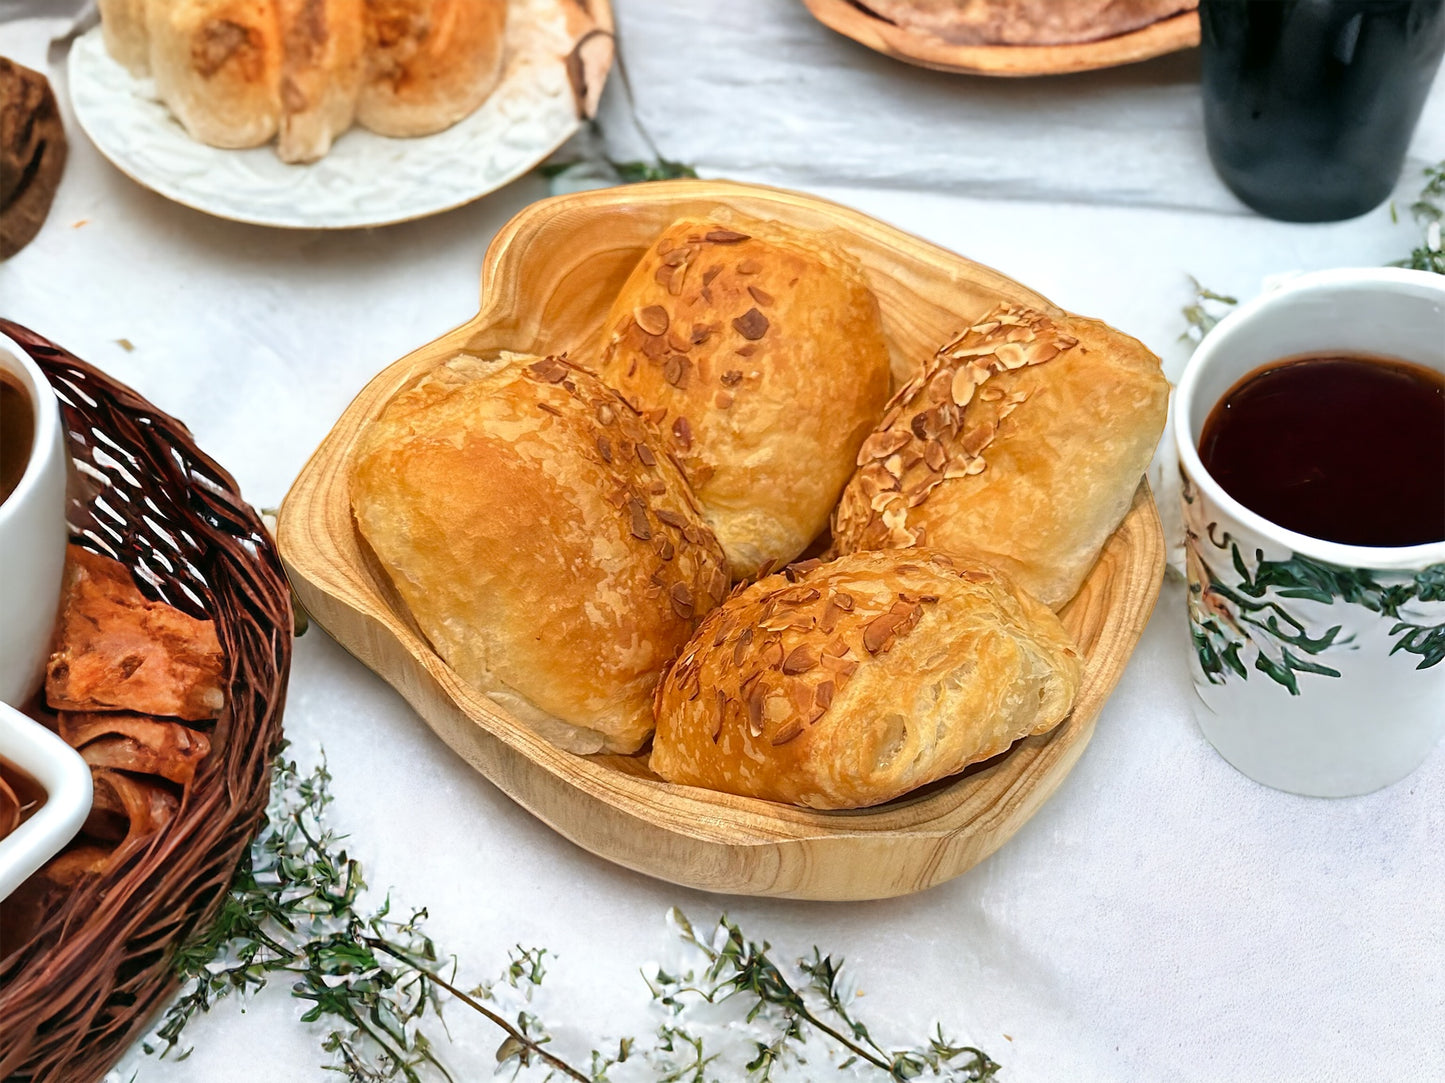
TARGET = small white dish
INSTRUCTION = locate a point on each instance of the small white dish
(64, 777)
(366, 179)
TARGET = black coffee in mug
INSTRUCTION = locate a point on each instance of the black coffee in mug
(1309, 105)
(17, 433)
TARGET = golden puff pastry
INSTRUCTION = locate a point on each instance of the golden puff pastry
(1024, 439)
(542, 538)
(759, 352)
(850, 683)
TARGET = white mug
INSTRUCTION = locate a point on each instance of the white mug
(32, 560)
(1319, 667)
(32, 538)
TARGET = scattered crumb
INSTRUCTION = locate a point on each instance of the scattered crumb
(126, 344)
(1010, 1037)
(77, 225)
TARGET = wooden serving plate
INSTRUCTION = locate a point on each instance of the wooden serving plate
(547, 282)
(929, 51)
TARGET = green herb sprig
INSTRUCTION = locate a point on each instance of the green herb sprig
(1429, 211)
(1204, 311)
(378, 982)
(739, 967)
(1208, 308)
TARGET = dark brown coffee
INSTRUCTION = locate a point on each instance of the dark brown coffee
(20, 796)
(17, 433)
(1345, 449)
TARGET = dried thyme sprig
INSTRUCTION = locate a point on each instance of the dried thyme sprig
(377, 981)
(293, 910)
(737, 966)
(1204, 313)
(1429, 211)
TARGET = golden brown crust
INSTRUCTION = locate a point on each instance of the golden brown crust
(323, 42)
(217, 66)
(759, 352)
(849, 683)
(126, 808)
(116, 650)
(431, 62)
(1024, 439)
(543, 539)
(135, 742)
(1026, 22)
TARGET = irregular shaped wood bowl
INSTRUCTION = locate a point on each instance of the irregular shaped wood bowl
(926, 50)
(547, 283)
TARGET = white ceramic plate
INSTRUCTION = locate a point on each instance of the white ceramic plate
(366, 179)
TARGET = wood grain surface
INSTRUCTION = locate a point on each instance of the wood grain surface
(928, 51)
(548, 280)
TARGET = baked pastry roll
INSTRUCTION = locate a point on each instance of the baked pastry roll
(117, 650)
(123, 28)
(238, 72)
(432, 62)
(322, 67)
(849, 683)
(217, 66)
(1024, 439)
(759, 352)
(543, 540)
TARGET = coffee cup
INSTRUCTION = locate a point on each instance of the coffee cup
(32, 523)
(32, 561)
(1319, 666)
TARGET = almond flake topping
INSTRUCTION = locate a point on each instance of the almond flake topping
(752, 325)
(938, 426)
(799, 660)
(638, 512)
(682, 433)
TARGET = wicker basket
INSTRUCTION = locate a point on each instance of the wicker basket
(90, 979)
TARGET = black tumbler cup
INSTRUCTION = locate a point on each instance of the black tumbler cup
(1309, 105)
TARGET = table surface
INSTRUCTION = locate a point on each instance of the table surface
(1161, 918)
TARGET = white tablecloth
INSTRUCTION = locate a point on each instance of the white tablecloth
(1161, 918)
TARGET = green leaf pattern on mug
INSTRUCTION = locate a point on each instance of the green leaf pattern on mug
(1251, 617)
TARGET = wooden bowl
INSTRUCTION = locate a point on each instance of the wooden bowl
(928, 51)
(547, 283)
